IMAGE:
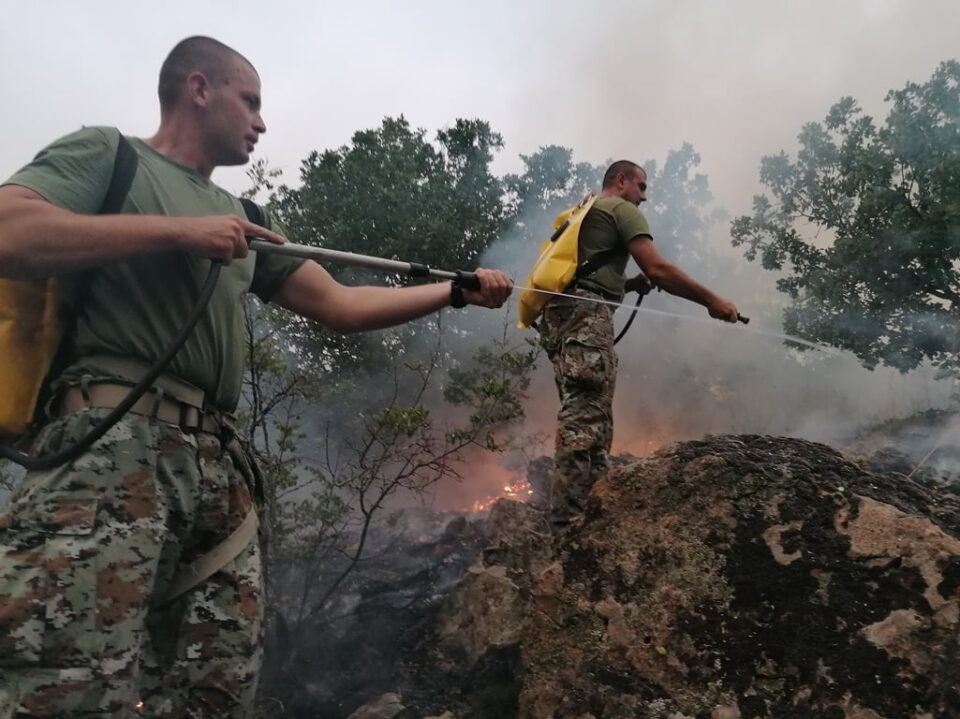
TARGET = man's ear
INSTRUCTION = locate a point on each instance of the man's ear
(198, 89)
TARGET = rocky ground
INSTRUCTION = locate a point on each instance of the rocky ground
(733, 577)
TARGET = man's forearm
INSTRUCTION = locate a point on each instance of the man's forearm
(680, 284)
(312, 293)
(39, 240)
(373, 308)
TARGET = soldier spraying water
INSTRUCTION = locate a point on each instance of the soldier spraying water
(579, 338)
(134, 569)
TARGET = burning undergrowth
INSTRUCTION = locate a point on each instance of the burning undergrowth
(358, 646)
(435, 619)
(926, 444)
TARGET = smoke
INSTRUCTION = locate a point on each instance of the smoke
(686, 377)
(737, 80)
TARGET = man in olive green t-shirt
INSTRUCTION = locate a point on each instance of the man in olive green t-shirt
(100, 604)
(578, 334)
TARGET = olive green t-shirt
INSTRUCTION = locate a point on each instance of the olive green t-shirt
(134, 309)
(610, 225)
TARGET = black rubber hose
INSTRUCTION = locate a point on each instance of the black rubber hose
(33, 463)
(633, 316)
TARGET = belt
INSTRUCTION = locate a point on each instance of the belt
(106, 395)
(599, 293)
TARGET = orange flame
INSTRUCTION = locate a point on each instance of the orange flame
(518, 489)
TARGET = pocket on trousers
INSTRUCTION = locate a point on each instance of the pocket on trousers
(584, 364)
(60, 514)
(47, 581)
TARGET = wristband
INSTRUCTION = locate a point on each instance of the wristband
(457, 300)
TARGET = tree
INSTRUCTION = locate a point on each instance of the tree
(392, 193)
(865, 226)
(679, 212)
(550, 182)
(332, 459)
(324, 500)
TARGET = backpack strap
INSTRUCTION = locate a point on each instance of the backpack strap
(124, 168)
(125, 165)
(253, 211)
(599, 259)
(204, 567)
(595, 262)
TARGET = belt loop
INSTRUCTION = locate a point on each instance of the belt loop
(85, 389)
(228, 430)
(157, 401)
(51, 408)
(191, 418)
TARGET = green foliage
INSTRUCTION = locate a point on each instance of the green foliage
(405, 421)
(326, 488)
(865, 226)
(392, 193)
(494, 387)
(550, 182)
(262, 178)
(275, 391)
(678, 212)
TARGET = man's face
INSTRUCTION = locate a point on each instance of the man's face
(634, 186)
(232, 122)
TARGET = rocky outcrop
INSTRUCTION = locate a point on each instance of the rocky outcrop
(385, 707)
(735, 577)
(488, 607)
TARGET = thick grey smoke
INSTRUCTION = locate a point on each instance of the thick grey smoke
(686, 377)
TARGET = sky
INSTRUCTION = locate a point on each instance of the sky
(629, 79)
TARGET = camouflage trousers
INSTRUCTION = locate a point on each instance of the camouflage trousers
(87, 552)
(578, 338)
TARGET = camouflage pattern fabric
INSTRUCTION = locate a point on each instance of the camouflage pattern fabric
(578, 338)
(86, 554)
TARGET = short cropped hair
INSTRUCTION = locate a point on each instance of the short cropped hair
(197, 53)
(618, 167)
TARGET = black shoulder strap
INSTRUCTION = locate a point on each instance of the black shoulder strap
(124, 168)
(253, 211)
(595, 262)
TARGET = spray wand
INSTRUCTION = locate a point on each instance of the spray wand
(467, 280)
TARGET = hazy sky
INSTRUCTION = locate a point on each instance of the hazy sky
(609, 79)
